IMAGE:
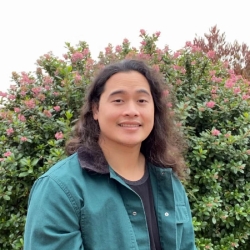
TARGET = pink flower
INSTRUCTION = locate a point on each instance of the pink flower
(225, 64)
(183, 70)
(156, 67)
(229, 84)
(55, 93)
(26, 79)
(176, 54)
(7, 154)
(36, 90)
(214, 90)
(165, 93)
(210, 104)
(169, 105)
(245, 97)
(3, 94)
(85, 52)
(12, 97)
(143, 43)
(143, 56)
(57, 108)
(76, 57)
(214, 96)
(237, 90)
(211, 54)
(157, 34)
(215, 132)
(178, 81)
(30, 103)
(143, 32)
(21, 118)
(65, 56)
(118, 48)
(47, 80)
(22, 93)
(47, 113)
(176, 67)
(159, 58)
(78, 78)
(41, 97)
(1, 159)
(108, 50)
(166, 49)
(248, 151)
(47, 87)
(47, 56)
(59, 135)
(212, 72)
(125, 41)
(188, 44)
(10, 131)
(216, 79)
(17, 110)
(195, 49)
(89, 63)
(23, 138)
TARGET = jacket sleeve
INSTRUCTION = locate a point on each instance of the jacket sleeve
(52, 218)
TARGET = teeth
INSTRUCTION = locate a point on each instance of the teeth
(129, 125)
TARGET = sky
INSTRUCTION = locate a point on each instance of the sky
(31, 28)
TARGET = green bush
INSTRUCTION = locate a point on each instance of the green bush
(212, 106)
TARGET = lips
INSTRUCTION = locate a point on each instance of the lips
(130, 125)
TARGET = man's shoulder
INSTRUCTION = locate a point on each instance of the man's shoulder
(65, 168)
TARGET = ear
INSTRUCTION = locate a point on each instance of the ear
(95, 111)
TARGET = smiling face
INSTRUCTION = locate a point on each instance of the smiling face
(126, 110)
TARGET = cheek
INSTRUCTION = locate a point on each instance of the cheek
(150, 113)
(106, 116)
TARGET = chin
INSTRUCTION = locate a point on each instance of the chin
(131, 143)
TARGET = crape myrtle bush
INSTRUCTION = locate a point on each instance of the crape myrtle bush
(212, 108)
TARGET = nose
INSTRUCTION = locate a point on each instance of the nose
(131, 109)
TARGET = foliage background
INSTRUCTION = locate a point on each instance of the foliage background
(212, 110)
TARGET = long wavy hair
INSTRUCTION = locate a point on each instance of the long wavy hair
(163, 147)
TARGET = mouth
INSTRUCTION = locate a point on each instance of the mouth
(130, 125)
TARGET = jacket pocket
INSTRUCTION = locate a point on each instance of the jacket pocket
(181, 214)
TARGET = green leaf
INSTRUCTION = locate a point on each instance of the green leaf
(6, 197)
(214, 220)
(23, 174)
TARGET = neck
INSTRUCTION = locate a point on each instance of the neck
(127, 161)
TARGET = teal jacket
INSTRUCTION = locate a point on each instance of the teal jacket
(73, 208)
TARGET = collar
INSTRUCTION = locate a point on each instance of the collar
(93, 160)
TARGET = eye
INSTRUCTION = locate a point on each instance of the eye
(118, 100)
(142, 101)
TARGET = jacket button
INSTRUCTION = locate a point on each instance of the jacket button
(134, 213)
(166, 214)
(162, 173)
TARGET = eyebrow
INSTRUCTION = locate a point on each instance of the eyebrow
(124, 92)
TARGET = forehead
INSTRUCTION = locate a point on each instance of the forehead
(127, 80)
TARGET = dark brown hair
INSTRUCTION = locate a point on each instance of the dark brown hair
(164, 145)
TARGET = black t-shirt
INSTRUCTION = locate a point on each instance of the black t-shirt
(143, 188)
